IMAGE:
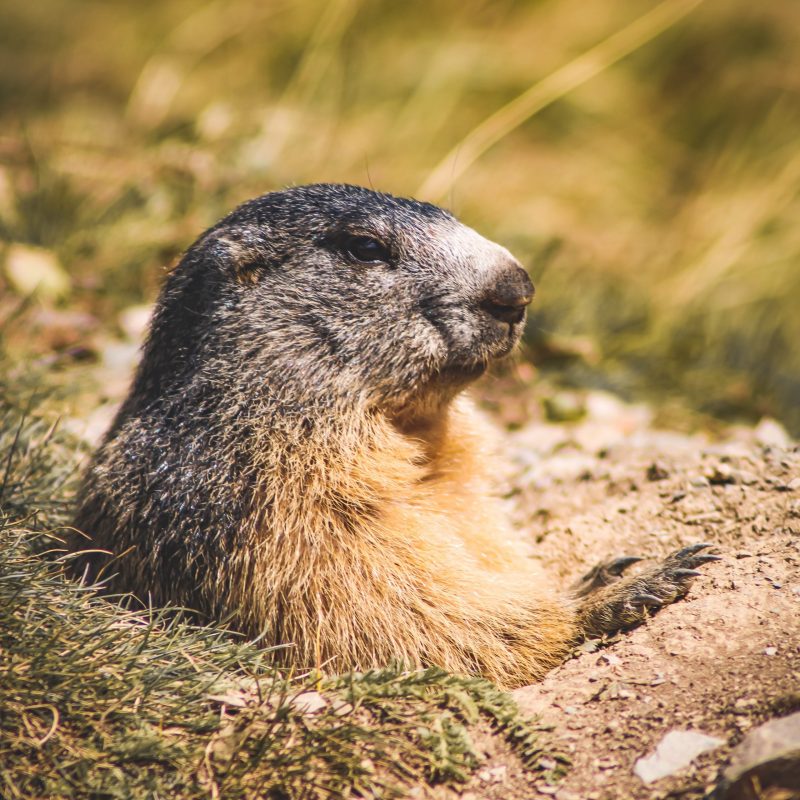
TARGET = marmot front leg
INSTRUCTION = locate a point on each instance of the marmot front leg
(611, 602)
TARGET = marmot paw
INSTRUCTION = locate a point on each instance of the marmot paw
(620, 603)
(603, 574)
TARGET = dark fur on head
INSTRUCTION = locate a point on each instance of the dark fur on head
(273, 288)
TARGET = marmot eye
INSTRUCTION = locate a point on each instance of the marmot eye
(366, 249)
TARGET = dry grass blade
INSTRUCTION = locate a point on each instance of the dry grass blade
(552, 88)
(162, 76)
(320, 50)
(737, 232)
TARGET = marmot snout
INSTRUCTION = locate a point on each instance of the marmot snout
(293, 457)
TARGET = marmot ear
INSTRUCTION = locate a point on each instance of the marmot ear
(244, 253)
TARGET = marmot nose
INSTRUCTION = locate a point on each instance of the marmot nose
(507, 299)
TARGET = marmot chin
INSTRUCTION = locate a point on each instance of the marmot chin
(295, 456)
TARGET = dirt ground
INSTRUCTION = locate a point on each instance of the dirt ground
(721, 661)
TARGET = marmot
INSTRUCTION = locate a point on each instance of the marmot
(295, 456)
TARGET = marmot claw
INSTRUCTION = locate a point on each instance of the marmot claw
(623, 603)
(603, 574)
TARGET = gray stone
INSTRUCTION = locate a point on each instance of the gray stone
(767, 759)
(674, 752)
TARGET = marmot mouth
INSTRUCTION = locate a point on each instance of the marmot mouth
(462, 372)
(509, 342)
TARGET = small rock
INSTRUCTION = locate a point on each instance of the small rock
(564, 407)
(721, 474)
(497, 774)
(770, 651)
(134, 320)
(768, 757)
(234, 698)
(618, 690)
(770, 433)
(674, 752)
(368, 765)
(624, 418)
(36, 271)
(309, 702)
(120, 356)
(747, 478)
(606, 763)
(657, 472)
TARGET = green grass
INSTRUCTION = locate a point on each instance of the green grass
(97, 701)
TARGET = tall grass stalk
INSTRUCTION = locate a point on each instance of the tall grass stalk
(546, 91)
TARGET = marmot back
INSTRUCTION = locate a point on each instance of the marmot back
(293, 457)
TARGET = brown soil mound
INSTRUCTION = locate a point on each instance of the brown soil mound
(722, 660)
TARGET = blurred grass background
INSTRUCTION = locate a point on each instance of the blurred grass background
(655, 202)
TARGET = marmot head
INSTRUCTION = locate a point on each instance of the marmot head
(338, 294)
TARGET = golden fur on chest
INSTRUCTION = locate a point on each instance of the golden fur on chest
(370, 544)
